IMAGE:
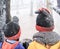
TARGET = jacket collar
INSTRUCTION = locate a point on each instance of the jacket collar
(46, 38)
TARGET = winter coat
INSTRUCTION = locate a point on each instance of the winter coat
(0, 45)
(45, 40)
(36, 45)
(13, 45)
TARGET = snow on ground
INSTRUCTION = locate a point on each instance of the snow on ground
(57, 22)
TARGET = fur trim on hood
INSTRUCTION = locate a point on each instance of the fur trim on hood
(46, 37)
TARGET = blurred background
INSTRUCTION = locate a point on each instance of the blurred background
(25, 11)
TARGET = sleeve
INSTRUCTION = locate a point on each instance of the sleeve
(0, 44)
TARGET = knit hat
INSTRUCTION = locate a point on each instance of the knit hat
(12, 31)
(44, 21)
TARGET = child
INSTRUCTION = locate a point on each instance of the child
(12, 33)
(45, 38)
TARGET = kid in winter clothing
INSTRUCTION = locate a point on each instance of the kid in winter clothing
(12, 33)
(45, 38)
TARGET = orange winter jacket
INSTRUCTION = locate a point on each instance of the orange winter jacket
(7, 45)
(36, 45)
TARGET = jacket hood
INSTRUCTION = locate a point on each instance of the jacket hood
(46, 37)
